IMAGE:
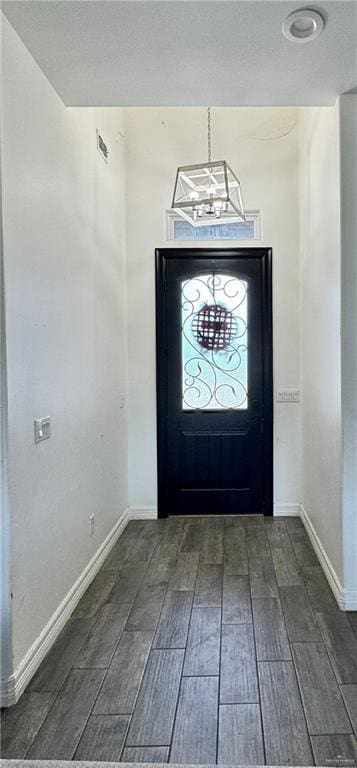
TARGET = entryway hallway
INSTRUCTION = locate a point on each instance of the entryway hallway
(201, 640)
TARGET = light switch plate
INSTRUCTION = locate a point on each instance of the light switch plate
(42, 429)
(288, 395)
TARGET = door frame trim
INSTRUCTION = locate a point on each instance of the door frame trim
(162, 255)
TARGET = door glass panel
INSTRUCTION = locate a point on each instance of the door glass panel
(214, 343)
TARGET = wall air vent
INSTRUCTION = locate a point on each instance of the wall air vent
(102, 147)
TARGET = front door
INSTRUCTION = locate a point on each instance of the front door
(214, 381)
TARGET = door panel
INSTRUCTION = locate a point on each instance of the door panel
(214, 460)
(214, 381)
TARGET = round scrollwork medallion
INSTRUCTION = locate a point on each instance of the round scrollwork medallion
(214, 327)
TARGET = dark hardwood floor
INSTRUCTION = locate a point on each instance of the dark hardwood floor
(201, 640)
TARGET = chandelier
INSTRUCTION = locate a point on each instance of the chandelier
(208, 191)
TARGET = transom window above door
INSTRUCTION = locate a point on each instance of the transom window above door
(178, 228)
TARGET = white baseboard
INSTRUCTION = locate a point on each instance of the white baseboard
(17, 682)
(346, 598)
(322, 556)
(142, 513)
(150, 513)
(286, 510)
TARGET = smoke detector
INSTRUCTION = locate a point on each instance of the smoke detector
(303, 25)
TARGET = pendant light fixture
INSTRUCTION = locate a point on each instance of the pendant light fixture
(208, 192)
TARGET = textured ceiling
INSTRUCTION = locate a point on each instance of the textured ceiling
(186, 52)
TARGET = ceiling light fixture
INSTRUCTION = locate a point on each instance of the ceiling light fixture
(303, 25)
(207, 191)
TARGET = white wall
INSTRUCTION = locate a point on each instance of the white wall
(5, 589)
(64, 243)
(262, 146)
(348, 133)
(321, 328)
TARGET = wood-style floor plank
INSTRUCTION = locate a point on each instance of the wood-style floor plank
(103, 738)
(122, 681)
(96, 595)
(104, 636)
(145, 755)
(286, 567)
(55, 667)
(234, 566)
(341, 643)
(236, 600)
(146, 608)
(269, 629)
(299, 617)
(203, 643)
(128, 582)
(244, 520)
(320, 594)
(335, 750)
(59, 735)
(278, 535)
(303, 549)
(212, 542)
(119, 554)
(294, 525)
(257, 542)
(184, 575)
(324, 709)
(240, 738)
(171, 538)
(192, 538)
(20, 724)
(144, 548)
(208, 589)
(195, 733)
(137, 529)
(159, 571)
(349, 693)
(154, 713)
(174, 621)
(352, 618)
(235, 559)
(239, 683)
(285, 733)
(262, 576)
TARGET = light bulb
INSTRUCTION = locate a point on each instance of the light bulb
(194, 195)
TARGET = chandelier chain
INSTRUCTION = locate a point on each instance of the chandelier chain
(209, 134)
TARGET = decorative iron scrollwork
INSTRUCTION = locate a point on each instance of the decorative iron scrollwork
(214, 343)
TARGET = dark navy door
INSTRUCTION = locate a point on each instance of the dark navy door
(214, 381)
